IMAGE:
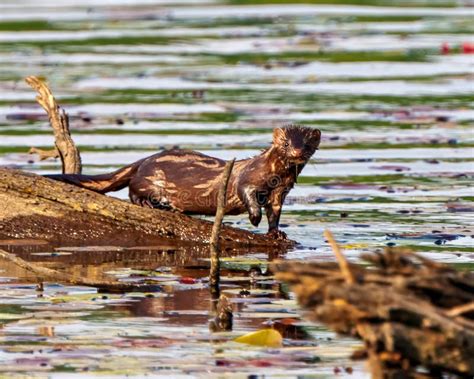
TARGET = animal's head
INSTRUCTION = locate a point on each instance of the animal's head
(296, 143)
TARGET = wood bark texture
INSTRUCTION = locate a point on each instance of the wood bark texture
(59, 120)
(409, 311)
(35, 207)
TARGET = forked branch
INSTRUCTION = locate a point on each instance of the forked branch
(59, 120)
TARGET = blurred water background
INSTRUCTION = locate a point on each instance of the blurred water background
(389, 83)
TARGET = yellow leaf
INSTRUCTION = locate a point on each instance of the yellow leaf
(355, 246)
(264, 337)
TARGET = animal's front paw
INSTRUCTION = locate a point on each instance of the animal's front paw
(277, 234)
(255, 217)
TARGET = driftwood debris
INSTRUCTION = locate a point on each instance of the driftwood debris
(35, 207)
(59, 120)
(412, 313)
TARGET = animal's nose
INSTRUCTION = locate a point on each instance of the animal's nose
(297, 152)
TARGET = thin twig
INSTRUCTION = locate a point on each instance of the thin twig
(460, 309)
(59, 120)
(341, 259)
(216, 228)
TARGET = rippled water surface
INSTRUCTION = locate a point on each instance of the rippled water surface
(390, 86)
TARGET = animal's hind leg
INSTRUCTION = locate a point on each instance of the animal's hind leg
(150, 201)
(144, 196)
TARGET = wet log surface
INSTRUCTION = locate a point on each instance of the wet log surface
(411, 313)
(34, 207)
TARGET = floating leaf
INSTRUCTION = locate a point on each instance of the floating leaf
(12, 316)
(360, 245)
(264, 337)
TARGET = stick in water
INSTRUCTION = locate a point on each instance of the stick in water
(341, 259)
(216, 229)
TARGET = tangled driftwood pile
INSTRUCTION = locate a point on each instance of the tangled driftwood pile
(414, 315)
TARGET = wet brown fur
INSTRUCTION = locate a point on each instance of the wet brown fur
(188, 181)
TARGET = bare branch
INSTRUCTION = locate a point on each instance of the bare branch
(461, 309)
(341, 259)
(59, 120)
(216, 228)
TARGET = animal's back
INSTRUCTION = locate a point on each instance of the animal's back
(181, 179)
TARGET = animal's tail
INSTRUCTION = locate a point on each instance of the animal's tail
(103, 183)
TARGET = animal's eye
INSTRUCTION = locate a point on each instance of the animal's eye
(287, 144)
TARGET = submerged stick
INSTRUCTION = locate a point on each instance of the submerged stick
(341, 259)
(47, 274)
(216, 229)
(59, 120)
(224, 316)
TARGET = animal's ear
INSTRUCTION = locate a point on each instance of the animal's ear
(278, 135)
(316, 137)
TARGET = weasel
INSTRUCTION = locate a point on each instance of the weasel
(188, 181)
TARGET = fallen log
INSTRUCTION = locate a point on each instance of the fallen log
(34, 207)
(410, 312)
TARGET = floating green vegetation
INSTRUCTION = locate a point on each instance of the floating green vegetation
(321, 101)
(44, 25)
(233, 21)
(440, 249)
(131, 96)
(17, 149)
(29, 25)
(412, 55)
(204, 131)
(463, 266)
(311, 101)
(379, 18)
(97, 41)
(64, 368)
(415, 78)
(332, 125)
(385, 145)
(372, 215)
(450, 29)
(382, 180)
(11, 309)
(385, 3)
